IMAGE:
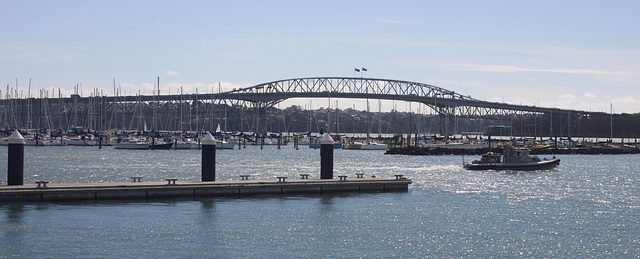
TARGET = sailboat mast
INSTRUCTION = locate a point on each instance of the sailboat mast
(154, 123)
(328, 114)
(180, 128)
(368, 123)
(29, 125)
(308, 121)
(379, 118)
(226, 113)
(611, 123)
(337, 129)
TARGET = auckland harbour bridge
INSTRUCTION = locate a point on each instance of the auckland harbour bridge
(202, 111)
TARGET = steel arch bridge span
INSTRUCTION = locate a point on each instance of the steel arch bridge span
(441, 100)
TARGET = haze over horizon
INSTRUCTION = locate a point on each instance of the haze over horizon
(580, 55)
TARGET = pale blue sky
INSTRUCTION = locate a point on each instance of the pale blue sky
(568, 54)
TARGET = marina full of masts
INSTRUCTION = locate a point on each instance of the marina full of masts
(360, 141)
(179, 121)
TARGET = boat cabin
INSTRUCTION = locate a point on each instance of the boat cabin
(490, 158)
(518, 155)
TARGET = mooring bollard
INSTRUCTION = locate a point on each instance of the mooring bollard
(15, 159)
(208, 158)
(326, 157)
(279, 141)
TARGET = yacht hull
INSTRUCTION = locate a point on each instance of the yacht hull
(540, 165)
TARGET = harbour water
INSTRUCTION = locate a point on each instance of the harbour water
(589, 206)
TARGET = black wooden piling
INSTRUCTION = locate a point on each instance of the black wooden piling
(15, 158)
(208, 158)
(262, 143)
(326, 157)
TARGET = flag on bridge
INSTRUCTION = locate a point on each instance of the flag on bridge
(364, 69)
(357, 70)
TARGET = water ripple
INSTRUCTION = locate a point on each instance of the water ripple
(587, 207)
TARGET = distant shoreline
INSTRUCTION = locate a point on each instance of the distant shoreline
(479, 151)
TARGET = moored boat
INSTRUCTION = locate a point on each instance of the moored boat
(36, 140)
(132, 143)
(159, 143)
(186, 143)
(374, 146)
(317, 145)
(57, 141)
(226, 144)
(82, 140)
(512, 159)
(355, 145)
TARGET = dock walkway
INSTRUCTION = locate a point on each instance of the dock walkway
(149, 190)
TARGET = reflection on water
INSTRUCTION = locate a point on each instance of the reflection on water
(13, 229)
(587, 207)
(14, 213)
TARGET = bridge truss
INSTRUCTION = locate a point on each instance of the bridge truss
(441, 100)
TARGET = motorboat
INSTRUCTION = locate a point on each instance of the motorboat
(226, 144)
(374, 146)
(158, 143)
(57, 141)
(355, 145)
(191, 143)
(358, 145)
(35, 140)
(512, 159)
(83, 140)
(186, 143)
(132, 143)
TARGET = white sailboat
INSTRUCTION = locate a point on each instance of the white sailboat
(221, 142)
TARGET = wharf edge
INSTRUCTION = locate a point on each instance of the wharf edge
(151, 190)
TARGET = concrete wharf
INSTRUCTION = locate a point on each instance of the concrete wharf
(43, 191)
